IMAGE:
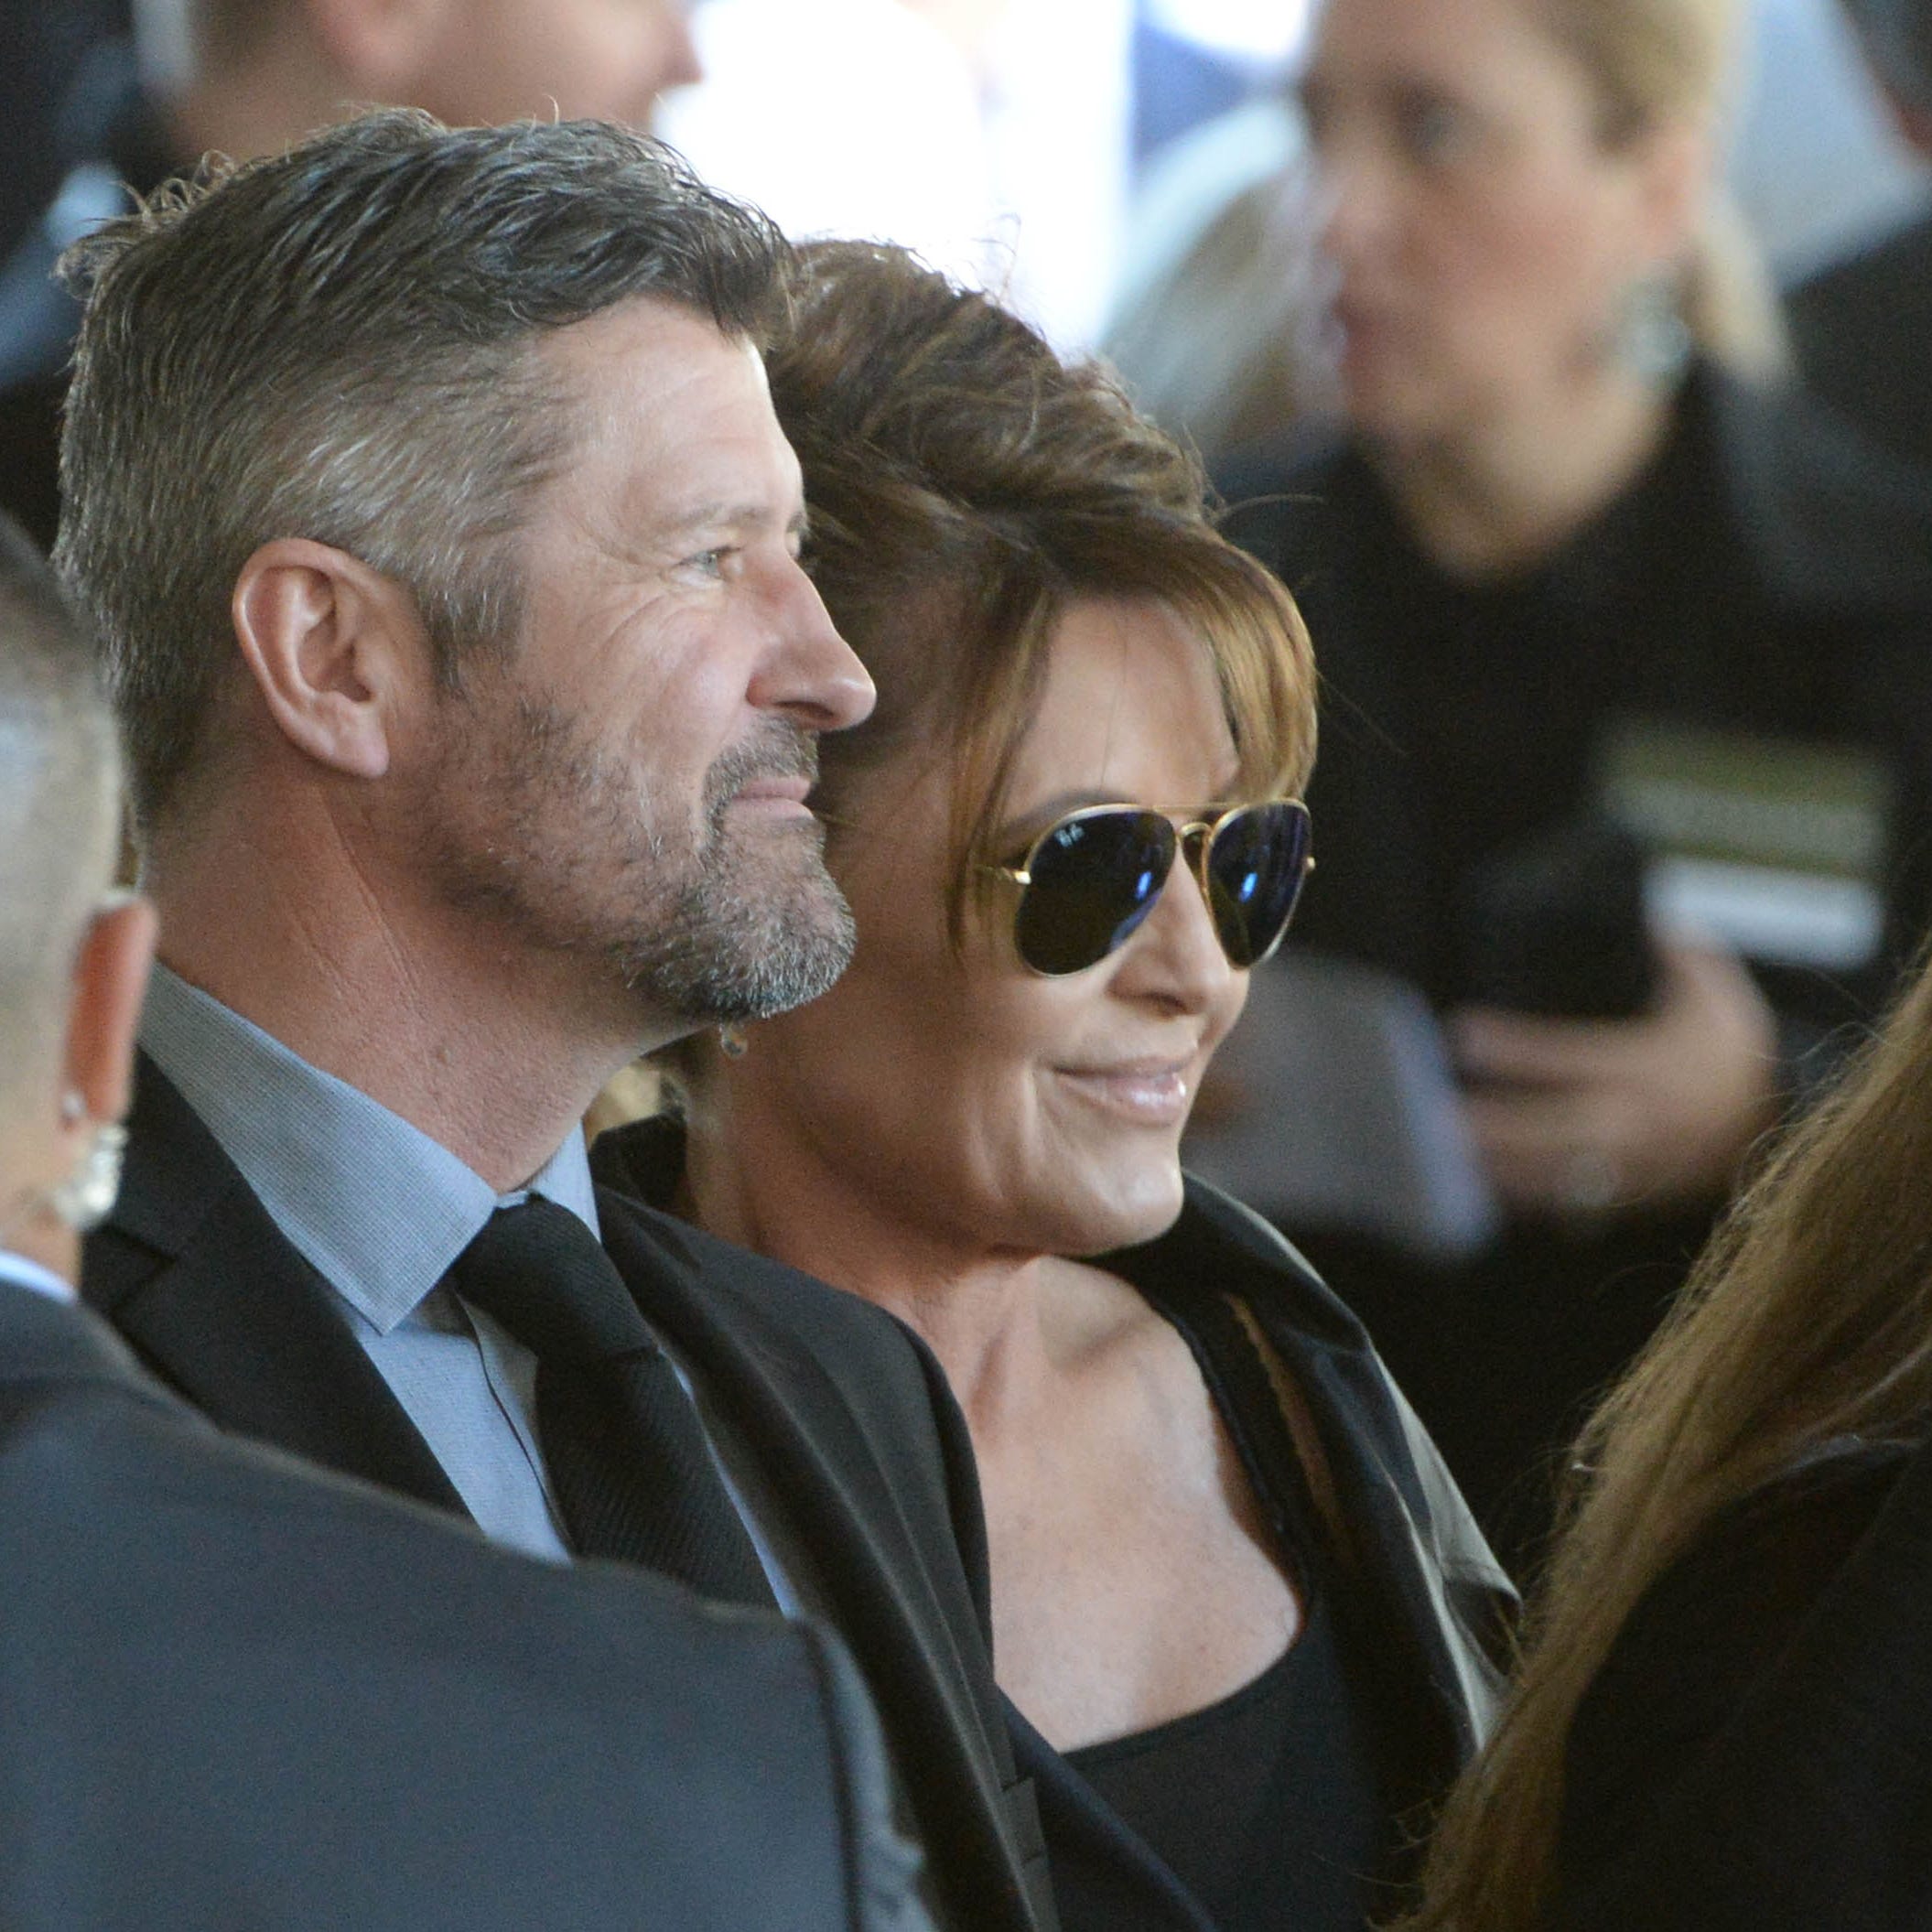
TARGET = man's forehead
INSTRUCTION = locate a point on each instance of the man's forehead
(650, 329)
(674, 431)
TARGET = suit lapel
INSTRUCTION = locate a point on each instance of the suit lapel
(873, 1569)
(194, 1272)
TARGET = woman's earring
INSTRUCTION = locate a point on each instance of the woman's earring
(84, 1200)
(1652, 339)
(731, 1041)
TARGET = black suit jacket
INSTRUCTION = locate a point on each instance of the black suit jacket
(847, 1414)
(237, 1692)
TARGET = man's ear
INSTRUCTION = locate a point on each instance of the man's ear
(109, 982)
(379, 47)
(334, 648)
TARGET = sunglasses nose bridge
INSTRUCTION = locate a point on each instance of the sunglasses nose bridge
(1194, 840)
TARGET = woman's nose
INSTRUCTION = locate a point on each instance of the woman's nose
(1177, 956)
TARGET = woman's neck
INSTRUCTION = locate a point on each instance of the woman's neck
(982, 1312)
(1502, 496)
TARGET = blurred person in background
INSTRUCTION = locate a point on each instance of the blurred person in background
(1235, 1599)
(45, 45)
(1628, 739)
(235, 1691)
(1223, 341)
(1723, 1721)
(242, 77)
(1862, 325)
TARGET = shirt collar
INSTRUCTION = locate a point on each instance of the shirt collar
(19, 1271)
(379, 1208)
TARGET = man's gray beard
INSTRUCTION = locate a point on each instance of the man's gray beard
(712, 950)
(720, 955)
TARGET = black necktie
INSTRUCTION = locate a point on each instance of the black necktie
(622, 1441)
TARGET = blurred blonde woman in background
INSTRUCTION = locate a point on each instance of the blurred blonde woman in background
(1628, 661)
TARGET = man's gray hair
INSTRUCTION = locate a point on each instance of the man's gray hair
(59, 812)
(337, 342)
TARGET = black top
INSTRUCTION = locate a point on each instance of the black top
(1264, 1805)
(1755, 1754)
(1768, 578)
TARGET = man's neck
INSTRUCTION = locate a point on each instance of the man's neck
(42, 1240)
(486, 1046)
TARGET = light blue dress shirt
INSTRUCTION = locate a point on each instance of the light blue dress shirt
(17, 1271)
(381, 1212)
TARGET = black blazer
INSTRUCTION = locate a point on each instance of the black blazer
(1755, 1754)
(847, 1414)
(1859, 328)
(237, 1692)
(1427, 1610)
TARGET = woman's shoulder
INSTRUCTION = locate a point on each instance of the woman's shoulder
(1832, 521)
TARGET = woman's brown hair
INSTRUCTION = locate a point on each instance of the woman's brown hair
(966, 484)
(1809, 1320)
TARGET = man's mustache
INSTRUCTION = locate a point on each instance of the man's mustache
(779, 750)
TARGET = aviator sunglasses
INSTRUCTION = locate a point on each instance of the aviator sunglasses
(1090, 878)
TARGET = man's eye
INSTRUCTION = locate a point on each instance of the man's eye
(708, 563)
(1316, 111)
(1432, 127)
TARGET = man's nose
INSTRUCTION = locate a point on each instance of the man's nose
(682, 64)
(811, 672)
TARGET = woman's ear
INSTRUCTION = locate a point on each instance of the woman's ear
(334, 648)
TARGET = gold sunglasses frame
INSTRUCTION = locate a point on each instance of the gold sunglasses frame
(1194, 839)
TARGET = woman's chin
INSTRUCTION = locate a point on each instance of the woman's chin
(1123, 1212)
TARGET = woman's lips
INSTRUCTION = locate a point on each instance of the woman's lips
(1151, 1093)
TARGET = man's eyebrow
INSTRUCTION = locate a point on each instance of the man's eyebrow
(722, 514)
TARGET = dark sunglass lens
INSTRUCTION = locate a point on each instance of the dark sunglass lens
(1255, 869)
(1094, 880)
